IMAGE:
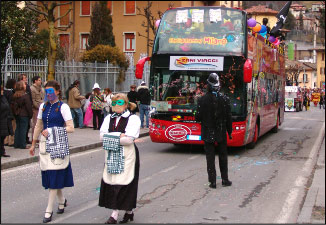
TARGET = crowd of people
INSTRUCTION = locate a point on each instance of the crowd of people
(308, 94)
(90, 110)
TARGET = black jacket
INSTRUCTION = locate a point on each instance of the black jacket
(133, 96)
(5, 118)
(215, 116)
(143, 95)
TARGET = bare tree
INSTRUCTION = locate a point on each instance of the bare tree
(149, 24)
(45, 9)
(292, 71)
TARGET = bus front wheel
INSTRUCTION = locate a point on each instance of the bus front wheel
(252, 144)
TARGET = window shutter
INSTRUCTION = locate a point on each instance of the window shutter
(130, 7)
(64, 40)
(86, 8)
(109, 5)
(63, 10)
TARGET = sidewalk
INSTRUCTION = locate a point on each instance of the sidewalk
(313, 210)
(80, 140)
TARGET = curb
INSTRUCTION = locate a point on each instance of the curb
(21, 162)
(304, 216)
(294, 203)
(312, 200)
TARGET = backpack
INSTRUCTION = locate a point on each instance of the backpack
(15, 108)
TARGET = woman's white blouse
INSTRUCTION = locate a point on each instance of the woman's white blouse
(132, 128)
(65, 112)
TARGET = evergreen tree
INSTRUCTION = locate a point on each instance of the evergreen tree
(101, 26)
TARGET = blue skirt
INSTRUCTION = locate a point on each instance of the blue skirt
(57, 179)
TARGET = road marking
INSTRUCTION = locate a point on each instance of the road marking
(144, 180)
(91, 205)
(291, 128)
(300, 182)
(27, 166)
(302, 118)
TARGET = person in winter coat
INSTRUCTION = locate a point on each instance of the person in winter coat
(38, 95)
(133, 96)
(23, 77)
(107, 101)
(23, 113)
(8, 92)
(97, 100)
(144, 98)
(74, 102)
(5, 122)
(214, 113)
(119, 186)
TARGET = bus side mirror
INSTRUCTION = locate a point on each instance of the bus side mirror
(140, 67)
(247, 71)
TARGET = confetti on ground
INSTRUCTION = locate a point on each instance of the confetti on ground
(98, 189)
(218, 177)
(258, 163)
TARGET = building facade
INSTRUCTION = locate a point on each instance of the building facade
(308, 76)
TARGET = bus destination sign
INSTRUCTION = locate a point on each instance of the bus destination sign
(196, 63)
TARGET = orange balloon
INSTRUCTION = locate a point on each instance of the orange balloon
(256, 28)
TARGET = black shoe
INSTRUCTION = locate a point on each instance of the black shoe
(111, 220)
(127, 217)
(46, 220)
(212, 185)
(226, 183)
(5, 155)
(60, 211)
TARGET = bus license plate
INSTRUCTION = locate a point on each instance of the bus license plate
(194, 137)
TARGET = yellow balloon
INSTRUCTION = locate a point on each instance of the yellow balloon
(256, 28)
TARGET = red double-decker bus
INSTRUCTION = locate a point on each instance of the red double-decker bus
(191, 43)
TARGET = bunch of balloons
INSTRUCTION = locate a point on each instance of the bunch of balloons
(157, 23)
(262, 30)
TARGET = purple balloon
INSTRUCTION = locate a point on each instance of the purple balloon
(251, 22)
(271, 39)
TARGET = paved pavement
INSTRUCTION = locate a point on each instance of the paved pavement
(313, 210)
(80, 140)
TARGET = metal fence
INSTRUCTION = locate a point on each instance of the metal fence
(66, 72)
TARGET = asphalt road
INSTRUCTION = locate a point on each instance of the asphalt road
(268, 182)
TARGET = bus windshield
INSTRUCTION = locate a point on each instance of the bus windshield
(207, 30)
(182, 88)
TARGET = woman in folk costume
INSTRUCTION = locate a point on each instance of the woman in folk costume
(54, 120)
(119, 183)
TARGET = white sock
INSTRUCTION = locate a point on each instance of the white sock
(115, 214)
(52, 195)
(129, 212)
(61, 198)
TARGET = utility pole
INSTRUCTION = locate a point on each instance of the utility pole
(315, 54)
